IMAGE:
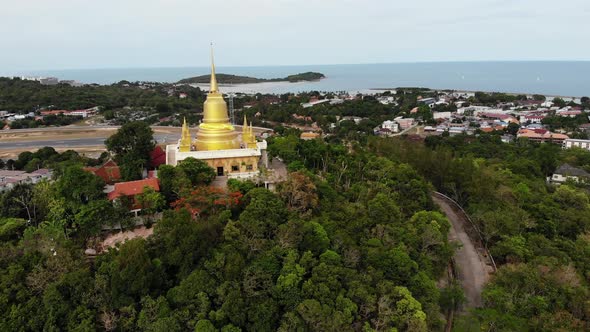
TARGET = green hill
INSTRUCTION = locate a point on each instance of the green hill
(236, 79)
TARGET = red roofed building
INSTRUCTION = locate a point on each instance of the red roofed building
(542, 135)
(570, 114)
(157, 157)
(133, 188)
(54, 112)
(109, 172)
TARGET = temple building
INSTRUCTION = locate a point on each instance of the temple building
(218, 143)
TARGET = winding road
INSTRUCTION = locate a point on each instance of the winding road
(473, 268)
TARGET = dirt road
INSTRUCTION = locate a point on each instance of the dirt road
(472, 268)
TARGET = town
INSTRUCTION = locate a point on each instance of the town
(369, 183)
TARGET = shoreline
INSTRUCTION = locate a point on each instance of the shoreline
(569, 97)
(553, 78)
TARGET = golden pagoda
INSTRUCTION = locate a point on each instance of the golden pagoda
(248, 138)
(215, 132)
(185, 139)
(217, 143)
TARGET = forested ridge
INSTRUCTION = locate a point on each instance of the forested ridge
(26, 96)
(537, 233)
(239, 79)
(330, 251)
(351, 242)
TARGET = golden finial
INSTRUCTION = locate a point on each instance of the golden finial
(185, 138)
(213, 87)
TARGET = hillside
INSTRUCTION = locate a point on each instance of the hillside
(236, 79)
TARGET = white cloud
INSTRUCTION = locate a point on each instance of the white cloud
(56, 34)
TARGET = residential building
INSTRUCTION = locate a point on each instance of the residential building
(441, 115)
(574, 142)
(9, 179)
(542, 135)
(390, 125)
(109, 172)
(532, 118)
(308, 135)
(404, 123)
(132, 189)
(567, 172)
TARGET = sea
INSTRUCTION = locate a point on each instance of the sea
(551, 78)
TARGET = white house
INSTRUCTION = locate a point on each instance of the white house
(441, 115)
(390, 125)
(9, 179)
(567, 172)
(579, 143)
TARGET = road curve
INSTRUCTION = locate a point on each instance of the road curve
(472, 269)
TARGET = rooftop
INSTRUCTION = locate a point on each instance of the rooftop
(567, 169)
(133, 188)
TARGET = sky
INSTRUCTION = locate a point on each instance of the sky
(78, 34)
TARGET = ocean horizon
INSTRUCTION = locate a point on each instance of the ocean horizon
(556, 78)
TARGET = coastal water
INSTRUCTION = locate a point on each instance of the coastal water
(571, 78)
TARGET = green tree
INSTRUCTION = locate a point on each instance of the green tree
(150, 200)
(131, 145)
(196, 171)
(92, 217)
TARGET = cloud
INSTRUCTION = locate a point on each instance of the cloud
(40, 34)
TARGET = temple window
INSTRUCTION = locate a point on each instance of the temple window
(235, 168)
(249, 167)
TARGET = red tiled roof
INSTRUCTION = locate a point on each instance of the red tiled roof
(110, 163)
(496, 116)
(54, 112)
(541, 134)
(133, 188)
(109, 172)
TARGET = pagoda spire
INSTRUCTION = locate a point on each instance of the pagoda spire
(215, 132)
(185, 138)
(213, 85)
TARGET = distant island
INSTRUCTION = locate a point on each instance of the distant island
(236, 79)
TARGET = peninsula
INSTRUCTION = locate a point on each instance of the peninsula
(236, 79)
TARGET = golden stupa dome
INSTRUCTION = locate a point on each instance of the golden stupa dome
(215, 132)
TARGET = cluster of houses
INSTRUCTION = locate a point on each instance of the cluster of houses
(109, 172)
(50, 80)
(469, 119)
(395, 126)
(9, 117)
(83, 113)
(9, 178)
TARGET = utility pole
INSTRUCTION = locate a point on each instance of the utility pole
(231, 108)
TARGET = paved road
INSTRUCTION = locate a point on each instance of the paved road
(75, 142)
(167, 135)
(472, 270)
